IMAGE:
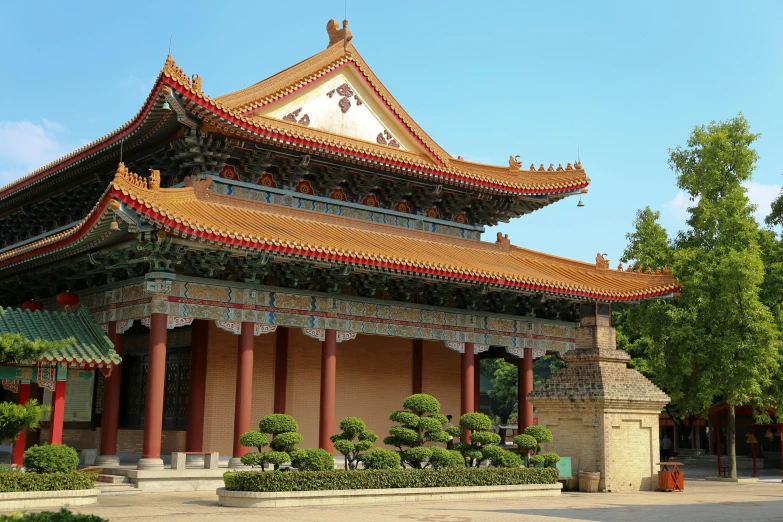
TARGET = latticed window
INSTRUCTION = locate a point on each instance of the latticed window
(135, 363)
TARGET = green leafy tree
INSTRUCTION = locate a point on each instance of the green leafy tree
(283, 429)
(420, 422)
(353, 440)
(480, 438)
(505, 383)
(718, 339)
(16, 418)
(15, 348)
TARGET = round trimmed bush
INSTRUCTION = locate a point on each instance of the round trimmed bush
(51, 458)
(422, 403)
(363, 445)
(540, 433)
(276, 458)
(368, 435)
(313, 459)
(443, 458)
(484, 437)
(536, 460)
(526, 442)
(415, 456)
(441, 418)
(550, 458)
(437, 436)
(430, 424)
(254, 439)
(344, 446)
(406, 418)
(252, 459)
(473, 453)
(276, 423)
(51, 516)
(454, 431)
(379, 458)
(286, 441)
(475, 422)
(404, 435)
(506, 459)
(352, 426)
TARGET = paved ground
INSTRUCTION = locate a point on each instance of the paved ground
(701, 501)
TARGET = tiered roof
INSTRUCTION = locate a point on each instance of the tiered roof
(196, 212)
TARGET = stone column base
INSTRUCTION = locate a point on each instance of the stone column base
(107, 461)
(150, 464)
(235, 463)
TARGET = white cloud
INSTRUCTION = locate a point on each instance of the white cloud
(759, 194)
(26, 146)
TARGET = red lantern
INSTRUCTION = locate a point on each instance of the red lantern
(32, 306)
(67, 299)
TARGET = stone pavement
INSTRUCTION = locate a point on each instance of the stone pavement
(701, 501)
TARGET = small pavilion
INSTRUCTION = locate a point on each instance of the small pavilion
(303, 246)
(60, 371)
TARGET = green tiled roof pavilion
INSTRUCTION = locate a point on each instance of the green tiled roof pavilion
(91, 349)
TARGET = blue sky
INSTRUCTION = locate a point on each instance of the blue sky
(620, 82)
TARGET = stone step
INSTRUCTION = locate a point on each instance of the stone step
(112, 479)
(116, 489)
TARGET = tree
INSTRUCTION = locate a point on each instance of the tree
(353, 428)
(283, 429)
(420, 422)
(480, 438)
(16, 418)
(505, 383)
(15, 348)
(717, 339)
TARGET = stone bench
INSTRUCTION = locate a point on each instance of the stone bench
(211, 459)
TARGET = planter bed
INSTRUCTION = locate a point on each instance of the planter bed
(309, 488)
(33, 490)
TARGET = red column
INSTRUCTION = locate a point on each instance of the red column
(328, 387)
(19, 443)
(156, 381)
(416, 366)
(467, 385)
(244, 395)
(525, 386)
(58, 413)
(194, 437)
(37, 393)
(477, 383)
(111, 405)
(281, 368)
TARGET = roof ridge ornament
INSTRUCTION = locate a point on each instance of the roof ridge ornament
(601, 262)
(504, 242)
(150, 183)
(336, 34)
(175, 72)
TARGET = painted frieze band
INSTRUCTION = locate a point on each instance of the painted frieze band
(235, 327)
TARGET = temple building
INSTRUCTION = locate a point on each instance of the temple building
(303, 246)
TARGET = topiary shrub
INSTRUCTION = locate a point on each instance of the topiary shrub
(54, 458)
(526, 445)
(540, 433)
(16, 418)
(501, 458)
(536, 461)
(313, 459)
(479, 425)
(442, 458)
(353, 428)
(379, 458)
(51, 516)
(550, 459)
(283, 429)
(420, 422)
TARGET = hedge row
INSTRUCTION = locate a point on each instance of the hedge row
(276, 481)
(45, 481)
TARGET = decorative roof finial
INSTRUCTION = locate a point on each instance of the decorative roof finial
(336, 34)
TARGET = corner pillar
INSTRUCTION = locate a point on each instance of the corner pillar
(244, 392)
(58, 413)
(467, 382)
(111, 406)
(524, 406)
(19, 443)
(156, 380)
(281, 368)
(328, 390)
(197, 390)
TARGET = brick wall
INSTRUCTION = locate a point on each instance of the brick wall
(128, 441)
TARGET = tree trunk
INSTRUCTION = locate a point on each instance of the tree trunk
(731, 446)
